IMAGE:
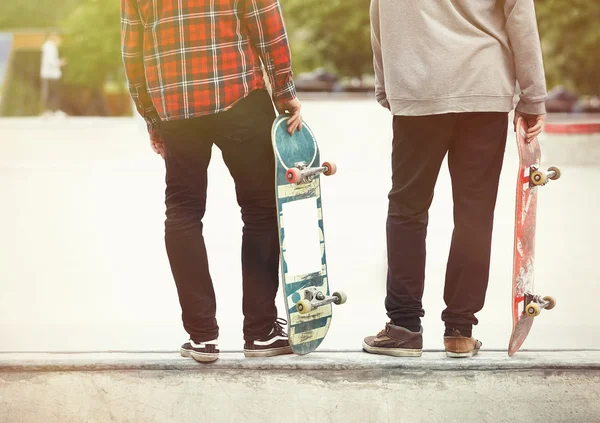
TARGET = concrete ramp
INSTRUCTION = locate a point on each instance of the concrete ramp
(321, 387)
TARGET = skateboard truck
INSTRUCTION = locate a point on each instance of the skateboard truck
(302, 174)
(535, 304)
(314, 298)
(540, 178)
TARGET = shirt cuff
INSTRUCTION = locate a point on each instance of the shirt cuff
(285, 92)
(152, 120)
(537, 108)
(382, 100)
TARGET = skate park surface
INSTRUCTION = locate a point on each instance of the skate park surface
(90, 321)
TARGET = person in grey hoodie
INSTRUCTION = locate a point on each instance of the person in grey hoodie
(447, 70)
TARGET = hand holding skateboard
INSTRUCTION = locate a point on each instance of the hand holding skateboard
(291, 107)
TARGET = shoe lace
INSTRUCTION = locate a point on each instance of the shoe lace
(279, 327)
(383, 332)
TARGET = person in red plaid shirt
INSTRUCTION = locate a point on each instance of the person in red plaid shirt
(195, 73)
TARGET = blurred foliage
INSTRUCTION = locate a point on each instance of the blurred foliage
(333, 34)
(30, 14)
(92, 43)
(570, 32)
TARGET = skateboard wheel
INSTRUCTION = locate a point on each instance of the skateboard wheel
(293, 175)
(304, 306)
(538, 178)
(555, 177)
(551, 301)
(533, 310)
(331, 168)
(341, 297)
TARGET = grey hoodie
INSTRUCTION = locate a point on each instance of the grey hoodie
(449, 56)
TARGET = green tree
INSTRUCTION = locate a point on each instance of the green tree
(571, 39)
(334, 34)
(33, 13)
(92, 44)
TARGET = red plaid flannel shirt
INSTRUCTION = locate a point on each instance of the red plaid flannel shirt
(189, 58)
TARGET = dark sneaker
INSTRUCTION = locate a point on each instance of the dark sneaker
(459, 346)
(275, 343)
(204, 352)
(396, 341)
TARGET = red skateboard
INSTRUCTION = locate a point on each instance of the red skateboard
(526, 304)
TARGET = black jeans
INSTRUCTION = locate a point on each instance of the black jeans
(243, 134)
(475, 144)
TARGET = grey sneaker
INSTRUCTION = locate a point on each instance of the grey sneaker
(396, 341)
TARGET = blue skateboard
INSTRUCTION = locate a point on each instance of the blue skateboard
(301, 235)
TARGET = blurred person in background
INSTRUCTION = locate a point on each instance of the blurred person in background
(51, 75)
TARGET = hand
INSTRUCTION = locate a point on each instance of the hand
(535, 123)
(292, 106)
(157, 143)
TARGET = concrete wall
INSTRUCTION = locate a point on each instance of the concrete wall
(319, 388)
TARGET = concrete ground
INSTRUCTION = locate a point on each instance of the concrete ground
(83, 266)
(322, 387)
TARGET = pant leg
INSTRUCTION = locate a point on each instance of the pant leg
(54, 98)
(475, 160)
(45, 83)
(248, 153)
(419, 147)
(187, 155)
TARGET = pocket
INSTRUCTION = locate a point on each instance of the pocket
(251, 117)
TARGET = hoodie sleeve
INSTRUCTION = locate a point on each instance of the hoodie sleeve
(380, 94)
(521, 25)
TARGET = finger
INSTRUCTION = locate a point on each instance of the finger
(534, 135)
(296, 124)
(535, 128)
(293, 121)
(298, 121)
(292, 128)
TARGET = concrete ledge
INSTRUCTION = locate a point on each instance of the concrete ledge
(319, 361)
(571, 140)
(321, 387)
(573, 128)
(572, 123)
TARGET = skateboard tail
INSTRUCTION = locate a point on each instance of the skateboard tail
(520, 332)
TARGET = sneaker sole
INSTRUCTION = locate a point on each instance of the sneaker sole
(268, 353)
(394, 352)
(199, 357)
(468, 354)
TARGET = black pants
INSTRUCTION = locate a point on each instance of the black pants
(475, 144)
(243, 134)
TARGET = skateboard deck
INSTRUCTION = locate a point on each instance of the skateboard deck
(526, 304)
(302, 236)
